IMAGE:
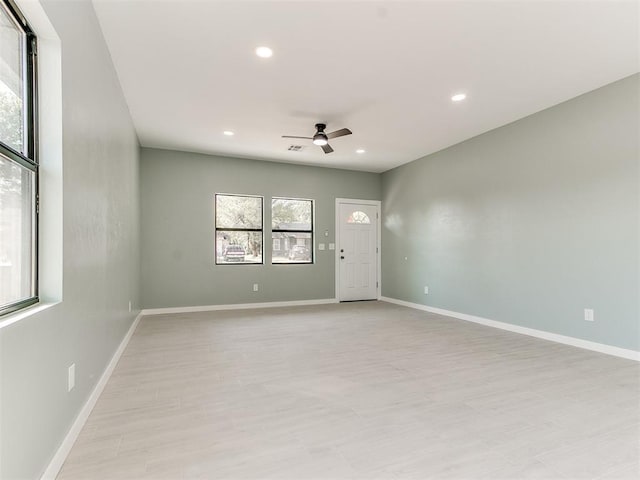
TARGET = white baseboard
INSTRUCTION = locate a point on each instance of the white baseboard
(554, 337)
(236, 306)
(63, 451)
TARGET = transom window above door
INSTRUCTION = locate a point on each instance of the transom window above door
(358, 217)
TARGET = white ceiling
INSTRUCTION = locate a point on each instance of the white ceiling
(386, 70)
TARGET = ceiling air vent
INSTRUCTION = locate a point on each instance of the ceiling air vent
(295, 148)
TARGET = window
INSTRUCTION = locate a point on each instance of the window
(238, 229)
(18, 162)
(358, 217)
(292, 220)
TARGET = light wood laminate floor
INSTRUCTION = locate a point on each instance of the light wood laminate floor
(363, 390)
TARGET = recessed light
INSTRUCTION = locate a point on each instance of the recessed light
(228, 133)
(360, 150)
(264, 52)
(458, 97)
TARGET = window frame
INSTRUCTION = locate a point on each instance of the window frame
(223, 229)
(29, 158)
(287, 230)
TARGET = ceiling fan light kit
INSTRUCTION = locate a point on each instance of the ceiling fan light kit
(322, 139)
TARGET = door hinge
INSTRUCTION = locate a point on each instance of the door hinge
(37, 204)
(376, 249)
(376, 284)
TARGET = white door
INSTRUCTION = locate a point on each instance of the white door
(356, 251)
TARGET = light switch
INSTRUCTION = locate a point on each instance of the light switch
(332, 246)
(321, 246)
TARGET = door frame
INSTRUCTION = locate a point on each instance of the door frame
(378, 205)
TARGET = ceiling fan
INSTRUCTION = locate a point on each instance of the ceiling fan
(322, 139)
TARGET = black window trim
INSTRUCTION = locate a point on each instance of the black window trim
(288, 230)
(215, 220)
(29, 159)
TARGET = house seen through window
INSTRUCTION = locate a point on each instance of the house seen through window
(292, 230)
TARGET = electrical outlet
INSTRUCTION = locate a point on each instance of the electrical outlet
(71, 378)
(255, 287)
(588, 315)
(426, 290)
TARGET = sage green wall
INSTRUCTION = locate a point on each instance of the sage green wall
(527, 224)
(178, 262)
(100, 265)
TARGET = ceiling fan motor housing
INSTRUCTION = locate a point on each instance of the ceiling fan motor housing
(320, 138)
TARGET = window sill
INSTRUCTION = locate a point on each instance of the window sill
(15, 317)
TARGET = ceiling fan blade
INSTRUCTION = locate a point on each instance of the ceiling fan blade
(327, 148)
(339, 133)
(291, 136)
